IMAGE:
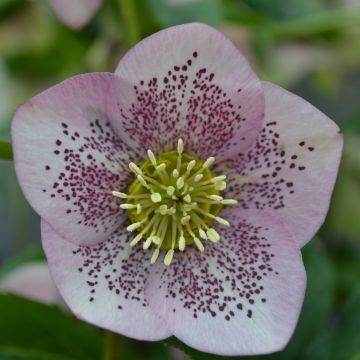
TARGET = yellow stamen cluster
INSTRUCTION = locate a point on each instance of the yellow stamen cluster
(173, 201)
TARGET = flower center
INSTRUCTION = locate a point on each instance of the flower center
(173, 201)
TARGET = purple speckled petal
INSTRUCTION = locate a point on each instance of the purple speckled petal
(242, 296)
(75, 13)
(292, 167)
(190, 81)
(68, 159)
(103, 285)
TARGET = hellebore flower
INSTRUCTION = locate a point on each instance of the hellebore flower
(32, 281)
(75, 14)
(201, 248)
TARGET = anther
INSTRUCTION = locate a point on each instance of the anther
(163, 209)
(175, 174)
(156, 197)
(202, 234)
(127, 206)
(180, 146)
(136, 239)
(185, 220)
(161, 167)
(187, 198)
(147, 243)
(208, 162)
(218, 178)
(222, 221)
(220, 186)
(154, 256)
(213, 235)
(215, 197)
(135, 169)
(198, 177)
(229, 202)
(170, 190)
(180, 182)
(134, 226)
(151, 157)
(168, 257)
(119, 194)
(181, 243)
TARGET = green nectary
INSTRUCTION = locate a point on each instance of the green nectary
(170, 159)
(173, 201)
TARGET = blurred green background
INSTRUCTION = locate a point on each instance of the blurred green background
(311, 47)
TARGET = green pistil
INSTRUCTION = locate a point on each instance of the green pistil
(173, 201)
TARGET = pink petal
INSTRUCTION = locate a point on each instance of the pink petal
(190, 81)
(68, 159)
(291, 169)
(103, 285)
(242, 296)
(75, 14)
(32, 281)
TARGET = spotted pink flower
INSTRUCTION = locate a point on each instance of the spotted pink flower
(168, 262)
(32, 280)
(75, 13)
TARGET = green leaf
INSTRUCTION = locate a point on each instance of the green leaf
(21, 354)
(344, 214)
(343, 342)
(206, 11)
(35, 327)
(5, 151)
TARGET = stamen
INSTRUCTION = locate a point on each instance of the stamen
(156, 197)
(180, 182)
(154, 256)
(213, 235)
(119, 194)
(180, 146)
(199, 244)
(173, 202)
(229, 202)
(208, 162)
(135, 169)
(220, 186)
(168, 257)
(170, 190)
(127, 206)
(175, 173)
(136, 239)
(151, 157)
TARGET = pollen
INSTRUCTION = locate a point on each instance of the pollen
(173, 202)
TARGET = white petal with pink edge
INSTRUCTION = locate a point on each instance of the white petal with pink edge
(242, 296)
(292, 167)
(103, 285)
(32, 281)
(190, 81)
(68, 159)
(75, 14)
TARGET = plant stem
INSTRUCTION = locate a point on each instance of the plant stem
(130, 21)
(111, 346)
